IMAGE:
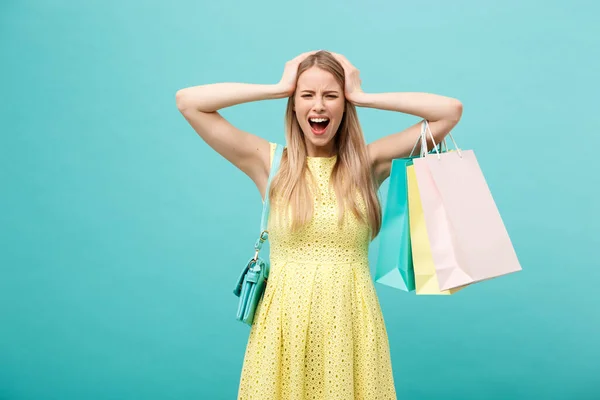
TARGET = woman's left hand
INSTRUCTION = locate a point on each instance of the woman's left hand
(352, 91)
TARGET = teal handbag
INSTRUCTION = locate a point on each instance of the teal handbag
(253, 280)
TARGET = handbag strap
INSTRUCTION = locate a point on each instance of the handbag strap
(264, 234)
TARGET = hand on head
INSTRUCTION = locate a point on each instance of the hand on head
(353, 82)
(290, 73)
(352, 79)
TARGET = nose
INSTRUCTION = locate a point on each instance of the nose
(318, 106)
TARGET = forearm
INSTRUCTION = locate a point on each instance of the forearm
(429, 106)
(213, 97)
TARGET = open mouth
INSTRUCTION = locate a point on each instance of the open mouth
(318, 125)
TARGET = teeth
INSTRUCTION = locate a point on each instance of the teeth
(319, 119)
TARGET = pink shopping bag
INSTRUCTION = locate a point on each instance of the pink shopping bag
(469, 242)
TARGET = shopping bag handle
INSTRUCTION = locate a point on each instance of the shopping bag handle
(423, 140)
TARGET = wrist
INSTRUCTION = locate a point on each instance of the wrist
(279, 91)
(360, 99)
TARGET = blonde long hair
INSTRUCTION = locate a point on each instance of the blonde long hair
(352, 169)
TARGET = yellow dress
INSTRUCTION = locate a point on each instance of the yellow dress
(318, 331)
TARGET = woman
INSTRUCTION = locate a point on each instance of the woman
(318, 331)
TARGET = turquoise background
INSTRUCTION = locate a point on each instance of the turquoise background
(123, 233)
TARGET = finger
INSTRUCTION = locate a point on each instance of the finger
(343, 60)
(347, 62)
(304, 55)
(340, 57)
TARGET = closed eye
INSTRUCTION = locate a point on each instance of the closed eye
(330, 96)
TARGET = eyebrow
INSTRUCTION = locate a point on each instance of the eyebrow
(326, 91)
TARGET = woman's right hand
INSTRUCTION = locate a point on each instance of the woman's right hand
(290, 73)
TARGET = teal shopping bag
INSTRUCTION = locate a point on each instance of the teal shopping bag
(394, 265)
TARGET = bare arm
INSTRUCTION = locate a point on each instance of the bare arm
(250, 153)
(432, 107)
(442, 112)
(213, 97)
